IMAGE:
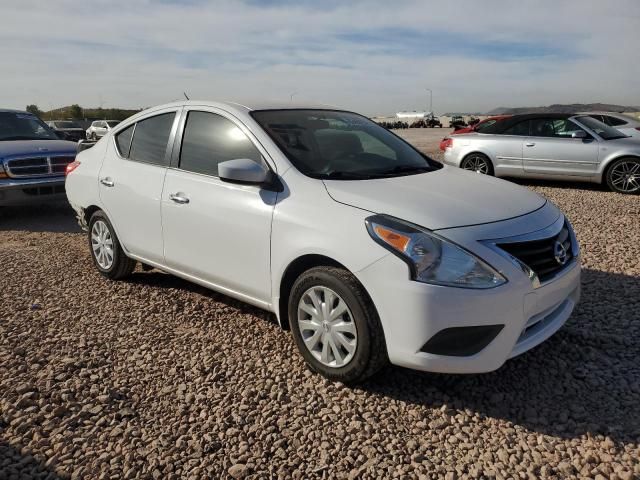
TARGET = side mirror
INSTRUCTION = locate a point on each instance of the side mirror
(244, 170)
(579, 134)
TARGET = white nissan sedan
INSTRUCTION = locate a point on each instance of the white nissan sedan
(366, 249)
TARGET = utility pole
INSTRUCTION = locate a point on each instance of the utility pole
(430, 101)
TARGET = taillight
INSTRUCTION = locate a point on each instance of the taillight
(446, 143)
(71, 167)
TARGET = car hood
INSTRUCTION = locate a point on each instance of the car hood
(445, 198)
(10, 148)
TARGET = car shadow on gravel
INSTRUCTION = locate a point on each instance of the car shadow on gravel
(568, 184)
(57, 217)
(158, 279)
(583, 380)
(15, 464)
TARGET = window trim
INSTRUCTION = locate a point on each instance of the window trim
(177, 145)
(170, 141)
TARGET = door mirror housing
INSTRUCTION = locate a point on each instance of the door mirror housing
(244, 170)
(579, 134)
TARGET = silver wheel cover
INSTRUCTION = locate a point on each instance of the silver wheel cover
(102, 244)
(327, 327)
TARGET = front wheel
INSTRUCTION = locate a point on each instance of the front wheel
(623, 176)
(106, 251)
(479, 163)
(336, 326)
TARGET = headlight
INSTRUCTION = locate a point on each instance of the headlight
(431, 258)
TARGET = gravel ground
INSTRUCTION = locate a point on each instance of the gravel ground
(157, 378)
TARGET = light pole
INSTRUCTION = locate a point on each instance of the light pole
(430, 100)
(291, 96)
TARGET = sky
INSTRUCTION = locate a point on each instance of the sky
(375, 57)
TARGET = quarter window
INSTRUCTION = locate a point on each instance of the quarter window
(123, 141)
(210, 139)
(521, 129)
(151, 138)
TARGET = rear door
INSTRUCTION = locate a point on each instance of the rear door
(215, 230)
(551, 150)
(131, 180)
(507, 149)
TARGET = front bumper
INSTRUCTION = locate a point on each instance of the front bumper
(29, 191)
(412, 313)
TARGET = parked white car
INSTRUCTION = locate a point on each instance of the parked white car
(368, 250)
(100, 128)
(627, 124)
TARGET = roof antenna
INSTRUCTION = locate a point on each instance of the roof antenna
(185, 95)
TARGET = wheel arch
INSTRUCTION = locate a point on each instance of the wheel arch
(479, 152)
(606, 165)
(295, 268)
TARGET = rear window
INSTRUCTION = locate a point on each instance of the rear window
(151, 138)
(613, 121)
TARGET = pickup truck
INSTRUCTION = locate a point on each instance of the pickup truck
(33, 160)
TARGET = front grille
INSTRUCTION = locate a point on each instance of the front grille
(47, 190)
(544, 257)
(38, 166)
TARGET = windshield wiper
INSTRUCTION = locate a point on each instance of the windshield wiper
(343, 176)
(401, 169)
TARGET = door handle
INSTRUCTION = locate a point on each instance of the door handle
(530, 144)
(107, 182)
(179, 198)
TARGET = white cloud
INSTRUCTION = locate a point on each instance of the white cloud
(474, 55)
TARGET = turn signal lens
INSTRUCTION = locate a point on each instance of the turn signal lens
(71, 167)
(393, 238)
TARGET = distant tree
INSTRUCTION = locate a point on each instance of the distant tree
(76, 111)
(34, 109)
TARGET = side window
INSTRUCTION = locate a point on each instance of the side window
(549, 127)
(613, 121)
(150, 139)
(123, 141)
(210, 139)
(521, 129)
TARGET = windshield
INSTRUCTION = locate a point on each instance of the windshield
(341, 145)
(66, 125)
(24, 126)
(112, 123)
(604, 131)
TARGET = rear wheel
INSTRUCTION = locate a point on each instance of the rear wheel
(335, 325)
(479, 163)
(623, 176)
(106, 251)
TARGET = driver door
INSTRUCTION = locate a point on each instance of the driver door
(213, 230)
(551, 150)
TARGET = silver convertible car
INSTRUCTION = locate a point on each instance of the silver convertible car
(550, 146)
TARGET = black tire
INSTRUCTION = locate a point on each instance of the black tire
(616, 180)
(477, 162)
(121, 266)
(371, 353)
